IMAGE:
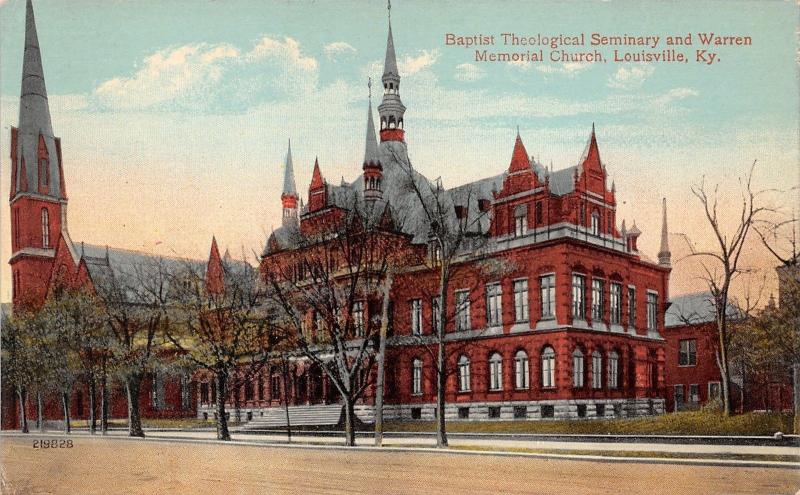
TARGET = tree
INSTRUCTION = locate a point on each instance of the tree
(328, 291)
(17, 360)
(722, 264)
(220, 325)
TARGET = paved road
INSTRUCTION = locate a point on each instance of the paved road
(115, 466)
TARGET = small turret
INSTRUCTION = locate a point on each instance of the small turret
(391, 109)
(664, 254)
(373, 171)
(289, 195)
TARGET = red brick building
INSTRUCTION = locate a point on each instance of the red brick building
(572, 328)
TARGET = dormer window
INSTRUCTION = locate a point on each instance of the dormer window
(595, 223)
(520, 220)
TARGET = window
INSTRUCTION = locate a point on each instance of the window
(416, 413)
(538, 213)
(249, 390)
(204, 393)
(436, 253)
(260, 393)
(613, 370)
(416, 316)
(435, 320)
(615, 298)
(463, 374)
(520, 220)
(521, 300)
(45, 228)
(598, 287)
(548, 293)
(600, 410)
(595, 223)
(416, 382)
(521, 370)
(652, 311)
(548, 367)
(581, 410)
(358, 318)
(597, 370)
(520, 412)
(494, 306)
(610, 223)
(463, 413)
(44, 172)
(694, 393)
(687, 352)
(548, 411)
(275, 387)
(680, 399)
(713, 391)
(578, 296)
(632, 307)
(322, 326)
(462, 310)
(494, 412)
(577, 368)
(495, 372)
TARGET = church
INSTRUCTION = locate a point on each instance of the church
(572, 327)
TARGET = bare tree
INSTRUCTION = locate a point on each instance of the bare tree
(221, 327)
(722, 264)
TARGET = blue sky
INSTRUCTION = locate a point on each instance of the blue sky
(174, 115)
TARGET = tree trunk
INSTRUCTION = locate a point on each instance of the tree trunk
(104, 404)
(285, 373)
(796, 396)
(23, 417)
(349, 421)
(380, 385)
(39, 410)
(222, 420)
(92, 405)
(132, 386)
(723, 358)
(441, 360)
(65, 404)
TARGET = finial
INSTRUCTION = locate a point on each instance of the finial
(369, 85)
(517, 130)
(82, 253)
(390, 9)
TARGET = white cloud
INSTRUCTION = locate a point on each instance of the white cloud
(411, 65)
(338, 48)
(206, 76)
(469, 72)
(630, 77)
(569, 69)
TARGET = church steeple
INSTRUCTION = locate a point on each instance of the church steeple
(373, 171)
(391, 109)
(664, 254)
(289, 195)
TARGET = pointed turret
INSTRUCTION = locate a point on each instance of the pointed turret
(215, 273)
(664, 254)
(318, 190)
(289, 195)
(519, 158)
(391, 109)
(591, 159)
(373, 171)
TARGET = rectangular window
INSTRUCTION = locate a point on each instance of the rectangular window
(520, 412)
(680, 399)
(694, 393)
(416, 384)
(416, 316)
(44, 172)
(613, 370)
(463, 413)
(631, 307)
(615, 296)
(652, 311)
(547, 284)
(713, 391)
(275, 387)
(687, 352)
(577, 370)
(520, 220)
(494, 305)
(521, 300)
(597, 371)
(435, 320)
(578, 297)
(494, 412)
(548, 411)
(358, 319)
(462, 310)
(598, 289)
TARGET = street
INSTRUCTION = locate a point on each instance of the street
(113, 465)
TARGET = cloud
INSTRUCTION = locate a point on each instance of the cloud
(409, 64)
(469, 72)
(204, 76)
(337, 49)
(569, 69)
(630, 77)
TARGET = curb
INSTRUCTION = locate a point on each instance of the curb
(430, 450)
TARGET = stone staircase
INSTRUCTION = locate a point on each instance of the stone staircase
(316, 415)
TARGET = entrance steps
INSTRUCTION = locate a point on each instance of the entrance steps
(312, 415)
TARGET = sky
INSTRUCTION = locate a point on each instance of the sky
(174, 116)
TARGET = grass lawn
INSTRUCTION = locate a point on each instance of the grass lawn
(682, 423)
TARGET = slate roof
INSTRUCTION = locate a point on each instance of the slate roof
(694, 309)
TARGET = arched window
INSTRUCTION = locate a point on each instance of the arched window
(613, 370)
(548, 367)
(597, 370)
(595, 223)
(521, 370)
(416, 377)
(45, 228)
(463, 374)
(577, 368)
(495, 372)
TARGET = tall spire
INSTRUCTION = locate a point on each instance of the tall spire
(373, 171)
(289, 196)
(391, 109)
(664, 254)
(36, 154)
(371, 145)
